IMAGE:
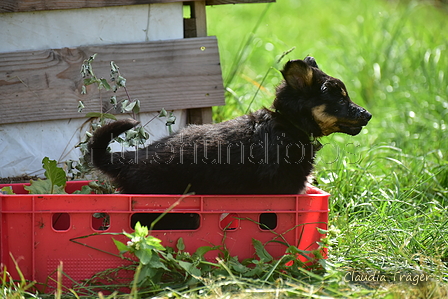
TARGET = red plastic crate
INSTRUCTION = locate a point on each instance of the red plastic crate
(40, 230)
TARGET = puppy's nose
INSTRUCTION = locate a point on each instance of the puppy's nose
(366, 115)
(363, 114)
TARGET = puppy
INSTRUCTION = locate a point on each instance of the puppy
(270, 151)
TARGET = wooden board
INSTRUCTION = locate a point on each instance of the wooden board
(219, 2)
(46, 85)
(196, 26)
(36, 5)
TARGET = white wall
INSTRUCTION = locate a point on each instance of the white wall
(23, 146)
(90, 26)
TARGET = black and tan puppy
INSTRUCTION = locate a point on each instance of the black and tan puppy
(265, 152)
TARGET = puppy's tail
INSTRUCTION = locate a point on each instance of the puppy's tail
(99, 155)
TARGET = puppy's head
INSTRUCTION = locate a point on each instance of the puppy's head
(316, 102)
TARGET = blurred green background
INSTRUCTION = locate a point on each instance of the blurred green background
(389, 184)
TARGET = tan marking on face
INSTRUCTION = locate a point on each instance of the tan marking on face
(344, 93)
(326, 122)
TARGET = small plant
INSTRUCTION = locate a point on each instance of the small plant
(159, 266)
(7, 190)
(162, 267)
(116, 81)
(133, 138)
(55, 180)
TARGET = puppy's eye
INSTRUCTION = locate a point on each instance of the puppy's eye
(341, 101)
(324, 88)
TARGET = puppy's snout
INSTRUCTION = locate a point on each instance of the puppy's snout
(366, 115)
(362, 114)
(359, 113)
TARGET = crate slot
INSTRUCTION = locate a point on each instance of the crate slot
(100, 221)
(60, 221)
(229, 221)
(170, 221)
(268, 221)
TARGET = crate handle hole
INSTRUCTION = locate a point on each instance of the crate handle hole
(169, 221)
(100, 221)
(60, 221)
(229, 221)
(268, 221)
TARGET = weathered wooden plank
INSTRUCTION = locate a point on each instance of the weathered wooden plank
(219, 2)
(196, 26)
(175, 74)
(36, 5)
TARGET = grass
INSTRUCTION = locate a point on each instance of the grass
(389, 184)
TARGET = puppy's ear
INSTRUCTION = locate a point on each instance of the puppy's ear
(297, 74)
(311, 61)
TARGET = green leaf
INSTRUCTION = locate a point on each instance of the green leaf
(113, 101)
(141, 231)
(156, 262)
(54, 173)
(93, 114)
(7, 190)
(80, 106)
(113, 67)
(142, 133)
(180, 244)
(147, 272)
(124, 104)
(101, 115)
(109, 116)
(84, 190)
(69, 164)
(322, 231)
(190, 268)
(59, 190)
(43, 187)
(55, 182)
(136, 108)
(154, 243)
(130, 236)
(203, 250)
(171, 119)
(130, 134)
(255, 272)
(120, 246)
(121, 81)
(144, 255)
(261, 251)
(91, 58)
(89, 81)
(104, 83)
(84, 69)
(238, 267)
(296, 251)
(163, 113)
(127, 106)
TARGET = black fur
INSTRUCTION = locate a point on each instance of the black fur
(265, 152)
